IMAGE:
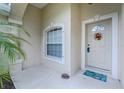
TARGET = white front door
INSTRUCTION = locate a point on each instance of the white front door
(99, 44)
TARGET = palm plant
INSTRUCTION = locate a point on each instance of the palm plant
(4, 77)
(10, 44)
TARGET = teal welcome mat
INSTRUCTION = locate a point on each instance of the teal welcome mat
(95, 75)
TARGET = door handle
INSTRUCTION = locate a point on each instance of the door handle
(88, 49)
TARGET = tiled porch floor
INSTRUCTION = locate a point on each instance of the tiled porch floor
(41, 77)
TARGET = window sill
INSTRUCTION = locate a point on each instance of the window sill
(54, 59)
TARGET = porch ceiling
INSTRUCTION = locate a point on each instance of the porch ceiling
(39, 5)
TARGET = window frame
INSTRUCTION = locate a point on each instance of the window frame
(52, 58)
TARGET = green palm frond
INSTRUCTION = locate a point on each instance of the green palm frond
(4, 77)
(10, 26)
(11, 48)
(12, 37)
(10, 43)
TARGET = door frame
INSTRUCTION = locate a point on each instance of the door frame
(114, 17)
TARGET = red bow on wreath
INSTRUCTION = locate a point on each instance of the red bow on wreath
(98, 36)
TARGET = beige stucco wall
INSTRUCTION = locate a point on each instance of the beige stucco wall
(17, 11)
(32, 22)
(122, 45)
(88, 11)
(75, 38)
(58, 14)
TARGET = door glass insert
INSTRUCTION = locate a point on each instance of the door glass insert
(98, 28)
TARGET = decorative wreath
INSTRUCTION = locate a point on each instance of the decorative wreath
(98, 36)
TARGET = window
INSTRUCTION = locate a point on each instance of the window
(98, 28)
(54, 45)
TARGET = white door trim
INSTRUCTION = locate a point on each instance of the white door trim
(114, 17)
